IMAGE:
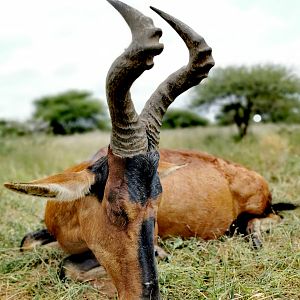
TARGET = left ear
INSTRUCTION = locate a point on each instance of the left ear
(64, 186)
(165, 168)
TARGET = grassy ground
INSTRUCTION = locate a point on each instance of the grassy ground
(223, 269)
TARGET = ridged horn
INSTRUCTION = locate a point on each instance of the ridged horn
(200, 62)
(128, 132)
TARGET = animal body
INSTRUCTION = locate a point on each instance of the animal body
(105, 210)
(121, 190)
(203, 196)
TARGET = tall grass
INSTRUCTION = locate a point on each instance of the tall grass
(227, 268)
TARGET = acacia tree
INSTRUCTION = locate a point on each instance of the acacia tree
(71, 111)
(181, 118)
(242, 92)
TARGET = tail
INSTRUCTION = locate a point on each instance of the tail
(277, 207)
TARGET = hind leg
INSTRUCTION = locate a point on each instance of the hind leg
(85, 267)
(256, 226)
(38, 238)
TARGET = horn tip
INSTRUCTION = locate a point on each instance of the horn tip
(116, 4)
(168, 18)
(112, 1)
(158, 11)
(152, 7)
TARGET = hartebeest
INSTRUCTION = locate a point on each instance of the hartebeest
(122, 189)
(109, 204)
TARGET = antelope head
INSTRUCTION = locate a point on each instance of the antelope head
(126, 182)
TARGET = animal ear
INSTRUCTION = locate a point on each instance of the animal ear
(64, 186)
(165, 168)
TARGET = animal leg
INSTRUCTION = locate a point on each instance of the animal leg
(269, 221)
(253, 229)
(85, 267)
(256, 226)
(80, 266)
(38, 238)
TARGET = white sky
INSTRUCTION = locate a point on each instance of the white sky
(48, 47)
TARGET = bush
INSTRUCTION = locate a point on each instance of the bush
(12, 128)
(70, 112)
(181, 118)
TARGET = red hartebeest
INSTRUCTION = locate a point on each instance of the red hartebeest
(109, 204)
(114, 200)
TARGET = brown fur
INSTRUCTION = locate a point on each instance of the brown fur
(115, 200)
(98, 232)
(202, 196)
(205, 197)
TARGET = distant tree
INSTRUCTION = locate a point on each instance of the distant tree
(18, 128)
(283, 111)
(269, 90)
(175, 118)
(71, 111)
(12, 128)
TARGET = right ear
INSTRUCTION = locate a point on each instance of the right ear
(64, 186)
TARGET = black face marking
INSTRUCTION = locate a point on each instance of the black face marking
(100, 169)
(147, 261)
(142, 177)
(113, 196)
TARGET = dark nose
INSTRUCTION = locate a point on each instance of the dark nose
(147, 261)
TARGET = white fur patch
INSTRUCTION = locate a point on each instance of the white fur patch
(69, 192)
(70, 189)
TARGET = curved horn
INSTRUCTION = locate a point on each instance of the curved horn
(200, 62)
(128, 132)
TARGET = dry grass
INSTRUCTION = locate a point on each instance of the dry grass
(223, 269)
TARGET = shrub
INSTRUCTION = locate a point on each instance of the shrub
(181, 118)
(12, 128)
(70, 112)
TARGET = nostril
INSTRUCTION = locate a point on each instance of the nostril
(150, 290)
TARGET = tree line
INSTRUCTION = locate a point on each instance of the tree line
(271, 92)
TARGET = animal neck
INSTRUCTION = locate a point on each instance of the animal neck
(58, 214)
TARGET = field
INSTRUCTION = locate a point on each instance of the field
(227, 268)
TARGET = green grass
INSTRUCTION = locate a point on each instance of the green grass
(222, 269)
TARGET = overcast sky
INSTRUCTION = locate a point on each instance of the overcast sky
(48, 47)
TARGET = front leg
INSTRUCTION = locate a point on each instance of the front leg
(85, 267)
(38, 238)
